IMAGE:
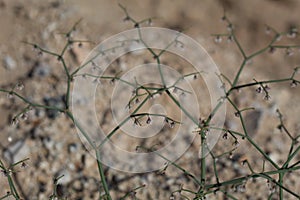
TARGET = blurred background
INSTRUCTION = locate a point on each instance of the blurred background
(50, 140)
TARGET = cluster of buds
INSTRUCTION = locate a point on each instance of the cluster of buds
(170, 122)
(264, 89)
(219, 38)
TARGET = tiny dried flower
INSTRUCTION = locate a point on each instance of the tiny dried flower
(230, 39)
(237, 114)
(148, 121)
(20, 86)
(14, 121)
(225, 136)
(166, 120)
(230, 27)
(24, 116)
(236, 143)
(10, 95)
(244, 162)
(218, 39)
(40, 54)
(268, 30)
(24, 165)
(172, 124)
(267, 97)
(272, 49)
(259, 90)
(293, 84)
(289, 52)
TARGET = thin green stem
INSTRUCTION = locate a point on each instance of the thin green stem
(122, 123)
(240, 48)
(249, 138)
(102, 175)
(132, 191)
(182, 108)
(280, 181)
(31, 103)
(173, 163)
(259, 83)
(265, 175)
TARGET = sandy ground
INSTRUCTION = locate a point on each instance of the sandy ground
(50, 140)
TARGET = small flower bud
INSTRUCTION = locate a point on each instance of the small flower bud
(10, 95)
(237, 114)
(267, 97)
(289, 52)
(292, 33)
(241, 188)
(148, 120)
(20, 86)
(14, 121)
(293, 84)
(179, 44)
(272, 49)
(59, 58)
(166, 120)
(23, 165)
(244, 162)
(259, 90)
(230, 27)
(218, 39)
(271, 186)
(24, 116)
(223, 18)
(279, 127)
(278, 38)
(267, 87)
(137, 148)
(112, 81)
(230, 39)
(40, 54)
(172, 124)
(236, 143)
(225, 136)
(268, 30)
